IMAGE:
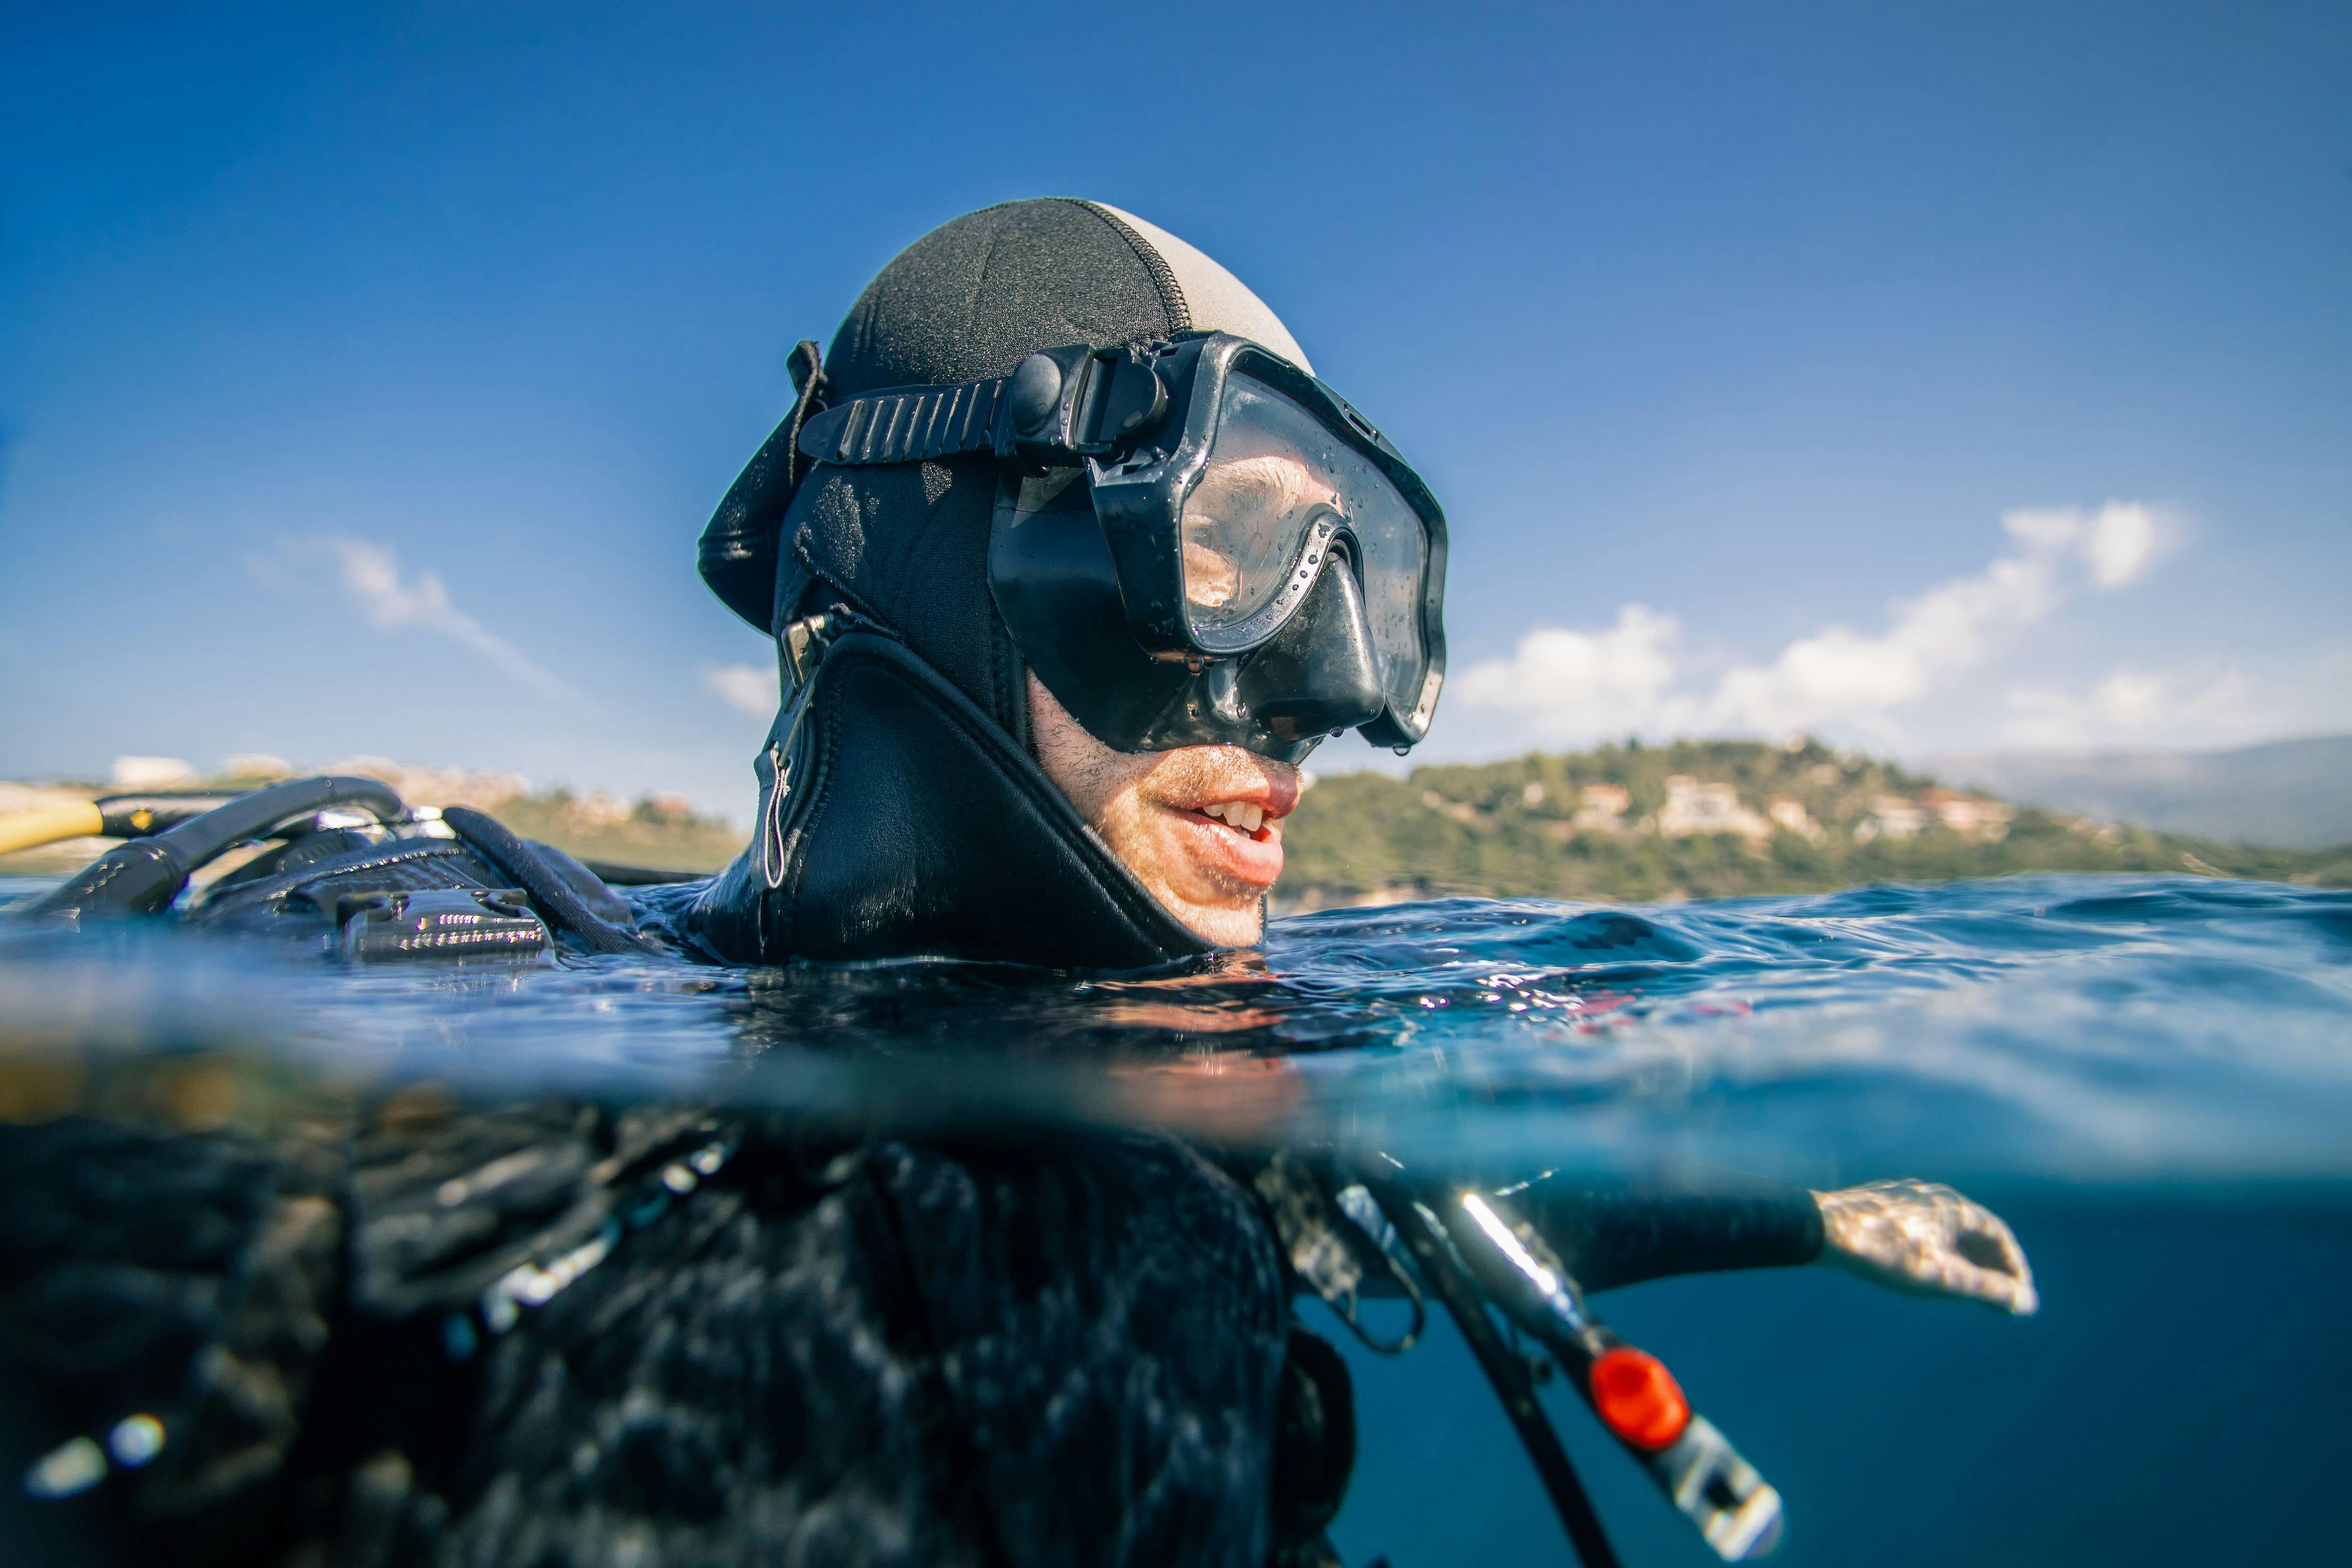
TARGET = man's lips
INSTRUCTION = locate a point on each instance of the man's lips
(1254, 860)
(1274, 796)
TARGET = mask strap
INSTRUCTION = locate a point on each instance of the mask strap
(906, 427)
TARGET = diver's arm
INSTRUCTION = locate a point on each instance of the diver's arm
(1615, 1236)
(1908, 1236)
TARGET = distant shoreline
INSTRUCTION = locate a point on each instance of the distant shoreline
(1620, 823)
(1710, 819)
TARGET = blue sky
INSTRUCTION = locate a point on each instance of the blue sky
(1926, 378)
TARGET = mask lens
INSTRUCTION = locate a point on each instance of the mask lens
(1266, 485)
(1278, 487)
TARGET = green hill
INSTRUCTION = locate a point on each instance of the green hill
(1705, 819)
(1697, 820)
(657, 830)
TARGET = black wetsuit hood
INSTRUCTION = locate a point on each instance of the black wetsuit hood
(913, 817)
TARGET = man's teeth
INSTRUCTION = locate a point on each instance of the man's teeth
(1243, 814)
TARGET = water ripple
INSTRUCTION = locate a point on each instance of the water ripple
(2101, 1029)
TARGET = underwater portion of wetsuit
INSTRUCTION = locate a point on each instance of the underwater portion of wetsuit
(566, 1333)
(1617, 1235)
(559, 1333)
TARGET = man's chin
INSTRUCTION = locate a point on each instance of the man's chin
(1208, 876)
(1225, 925)
(1219, 910)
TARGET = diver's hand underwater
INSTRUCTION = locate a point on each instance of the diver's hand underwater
(1924, 1238)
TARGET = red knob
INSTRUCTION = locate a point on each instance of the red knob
(1638, 1398)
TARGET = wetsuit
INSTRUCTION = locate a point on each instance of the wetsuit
(570, 1333)
(511, 1337)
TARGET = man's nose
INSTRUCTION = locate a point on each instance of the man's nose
(1320, 673)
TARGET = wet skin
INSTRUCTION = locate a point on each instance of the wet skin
(1151, 808)
(1924, 1238)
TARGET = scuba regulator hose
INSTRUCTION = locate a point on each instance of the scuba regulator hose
(168, 838)
(31, 829)
(110, 817)
(1473, 1253)
(145, 873)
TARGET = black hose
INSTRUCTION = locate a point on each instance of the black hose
(564, 909)
(149, 812)
(145, 875)
(1505, 1369)
(373, 858)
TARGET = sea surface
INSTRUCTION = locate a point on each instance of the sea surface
(2150, 1078)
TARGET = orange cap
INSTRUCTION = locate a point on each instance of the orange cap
(1638, 1398)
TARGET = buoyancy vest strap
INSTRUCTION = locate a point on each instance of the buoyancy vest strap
(564, 909)
(907, 426)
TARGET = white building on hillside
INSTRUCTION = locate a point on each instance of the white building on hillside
(1692, 807)
(1790, 812)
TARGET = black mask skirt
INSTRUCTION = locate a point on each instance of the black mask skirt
(1019, 454)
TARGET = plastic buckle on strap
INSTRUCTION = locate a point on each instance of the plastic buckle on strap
(1331, 1240)
(906, 426)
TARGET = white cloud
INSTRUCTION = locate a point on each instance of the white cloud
(1569, 684)
(2123, 707)
(2133, 701)
(1563, 684)
(2198, 707)
(747, 688)
(2119, 541)
(2124, 542)
(371, 575)
(1840, 673)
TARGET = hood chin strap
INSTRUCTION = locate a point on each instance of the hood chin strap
(898, 820)
(736, 556)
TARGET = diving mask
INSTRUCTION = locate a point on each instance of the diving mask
(1196, 542)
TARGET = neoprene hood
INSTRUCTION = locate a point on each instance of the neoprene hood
(902, 812)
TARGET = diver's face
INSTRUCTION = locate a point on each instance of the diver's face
(1201, 826)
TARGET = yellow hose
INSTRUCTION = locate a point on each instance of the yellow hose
(31, 829)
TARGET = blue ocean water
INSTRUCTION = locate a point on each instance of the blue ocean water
(2150, 1077)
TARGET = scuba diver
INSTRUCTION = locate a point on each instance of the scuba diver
(1070, 560)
